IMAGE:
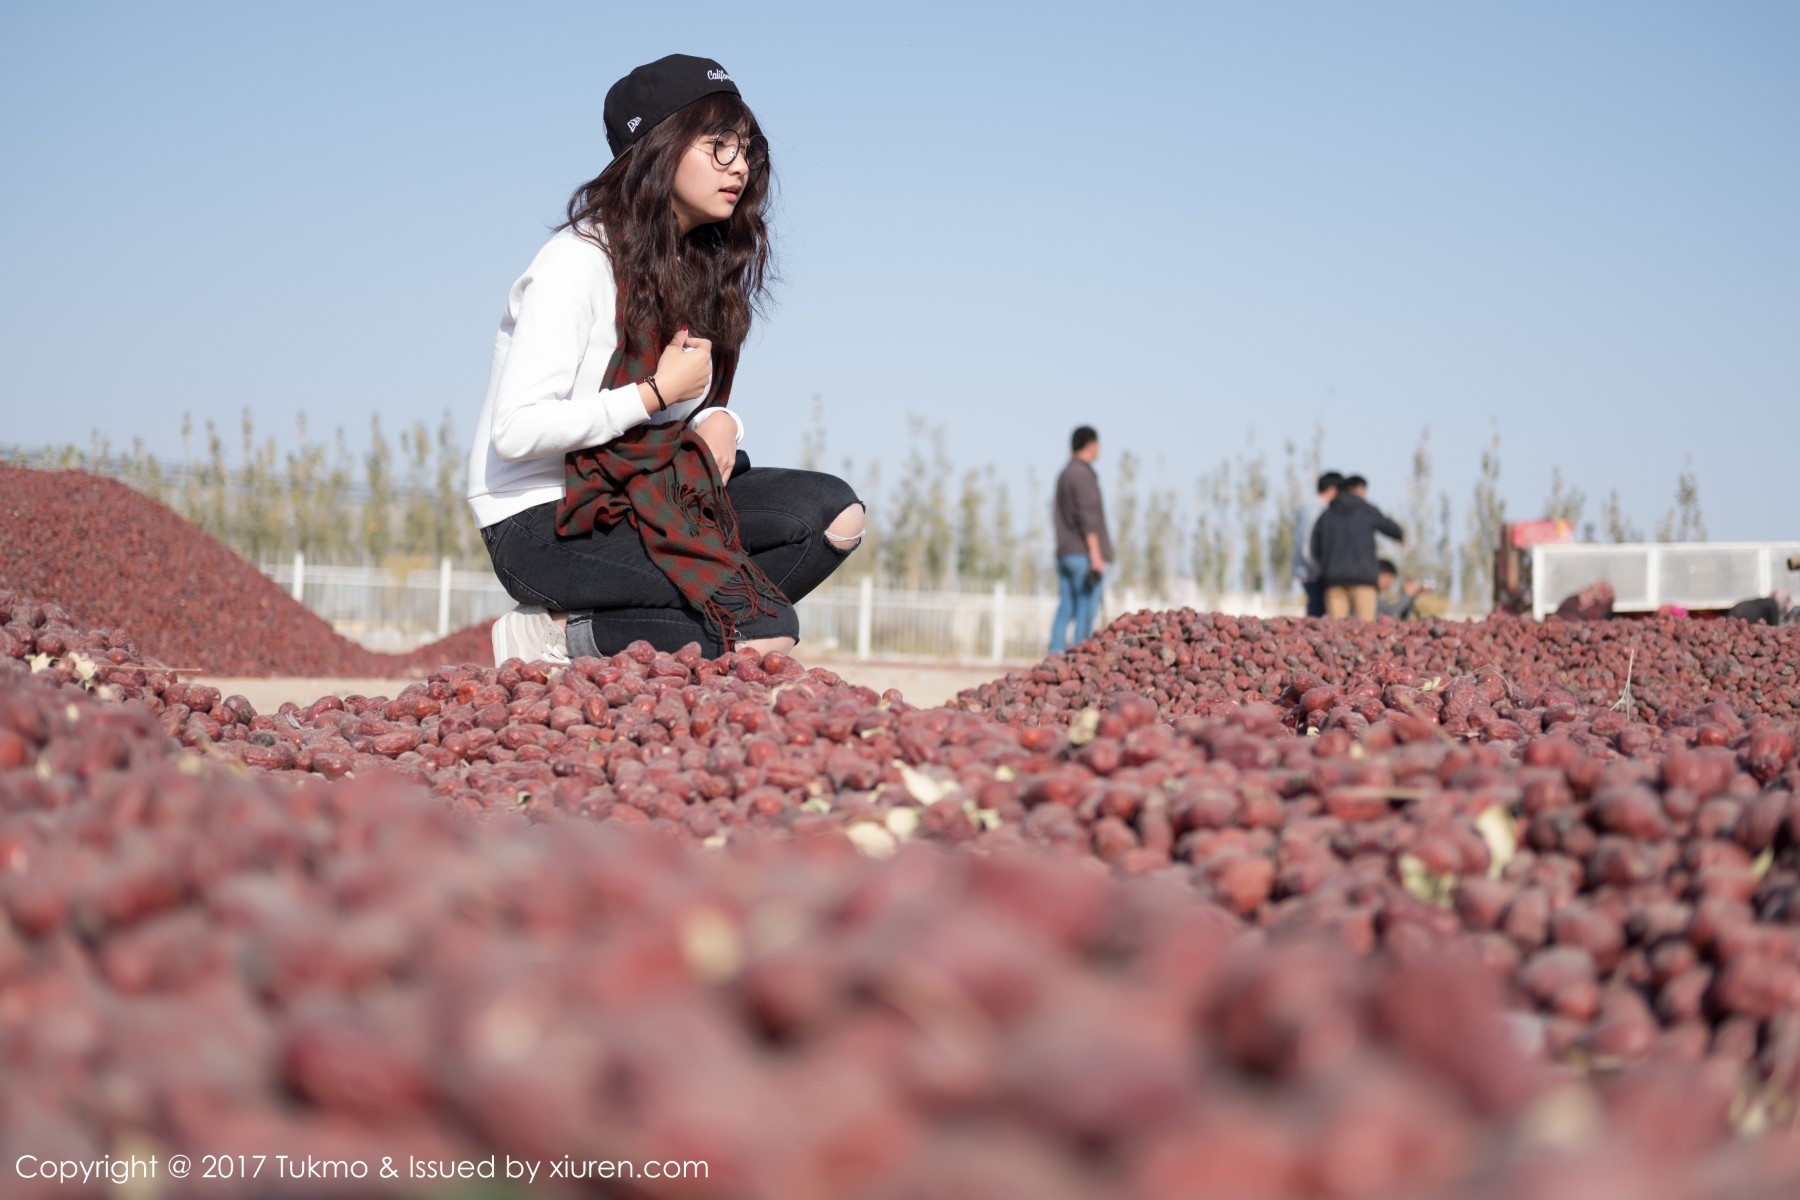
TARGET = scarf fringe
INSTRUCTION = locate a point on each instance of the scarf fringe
(663, 482)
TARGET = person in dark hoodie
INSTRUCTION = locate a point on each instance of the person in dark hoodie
(1343, 544)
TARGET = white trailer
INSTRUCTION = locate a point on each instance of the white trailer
(1698, 576)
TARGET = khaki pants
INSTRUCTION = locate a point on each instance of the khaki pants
(1356, 599)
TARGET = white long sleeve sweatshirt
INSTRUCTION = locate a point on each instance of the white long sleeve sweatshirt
(543, 393)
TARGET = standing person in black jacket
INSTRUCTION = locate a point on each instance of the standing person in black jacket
(1306, 567)
(1343, 544)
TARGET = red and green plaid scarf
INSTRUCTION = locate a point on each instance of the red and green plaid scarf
(662, 479)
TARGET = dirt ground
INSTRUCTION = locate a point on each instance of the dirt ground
(923, 684)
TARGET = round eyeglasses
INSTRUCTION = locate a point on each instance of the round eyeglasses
(725, 148)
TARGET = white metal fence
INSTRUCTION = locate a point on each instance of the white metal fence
(398, 610)
(392, 610)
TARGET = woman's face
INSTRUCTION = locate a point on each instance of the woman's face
(705, 192)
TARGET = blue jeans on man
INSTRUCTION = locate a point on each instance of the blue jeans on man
(1077, 601)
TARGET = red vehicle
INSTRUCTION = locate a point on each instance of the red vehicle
(1512, 560)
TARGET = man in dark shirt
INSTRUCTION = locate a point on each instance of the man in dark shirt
(1343, 544)
(1083, 548)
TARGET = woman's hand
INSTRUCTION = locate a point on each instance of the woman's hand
(684, 372)
(719, 432)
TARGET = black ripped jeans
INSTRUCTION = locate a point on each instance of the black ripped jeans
(615, 595)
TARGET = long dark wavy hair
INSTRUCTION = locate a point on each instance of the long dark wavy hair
(715, 280)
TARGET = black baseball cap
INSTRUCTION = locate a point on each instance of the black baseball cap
(653, 92)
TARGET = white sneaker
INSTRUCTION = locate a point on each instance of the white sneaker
(527, 633)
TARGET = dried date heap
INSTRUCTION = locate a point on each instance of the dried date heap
(107, 554)
(1383, 932)
(204, 958)
(1203, 663)
(1572, 847)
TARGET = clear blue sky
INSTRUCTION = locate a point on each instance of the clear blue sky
(1175, 221)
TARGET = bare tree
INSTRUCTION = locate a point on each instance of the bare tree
(145, 473)
(1618, 526)
(215, 512)
(1441, 568)
(260, 524)
(812, 441)
(1210, 547)
(1487, 520)
(918, 541)
(1005, 545)
(940, 540)
(1160, 539)
(1683, 523)
(456, 535)
(1125, 522)
(419, 524)
(341, 536)
(1035, 548)
(1281, 535)
(1565, 503)
(99, 453)
(1252, 495)
(1421, 537)
(308, 498)
(190, 476)
(972, 535)
(378, 475)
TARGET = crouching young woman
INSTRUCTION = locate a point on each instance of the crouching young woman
(605, 472)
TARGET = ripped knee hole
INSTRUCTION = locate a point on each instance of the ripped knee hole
(846, 532)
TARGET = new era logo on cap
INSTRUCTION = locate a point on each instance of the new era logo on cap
(633, 124)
